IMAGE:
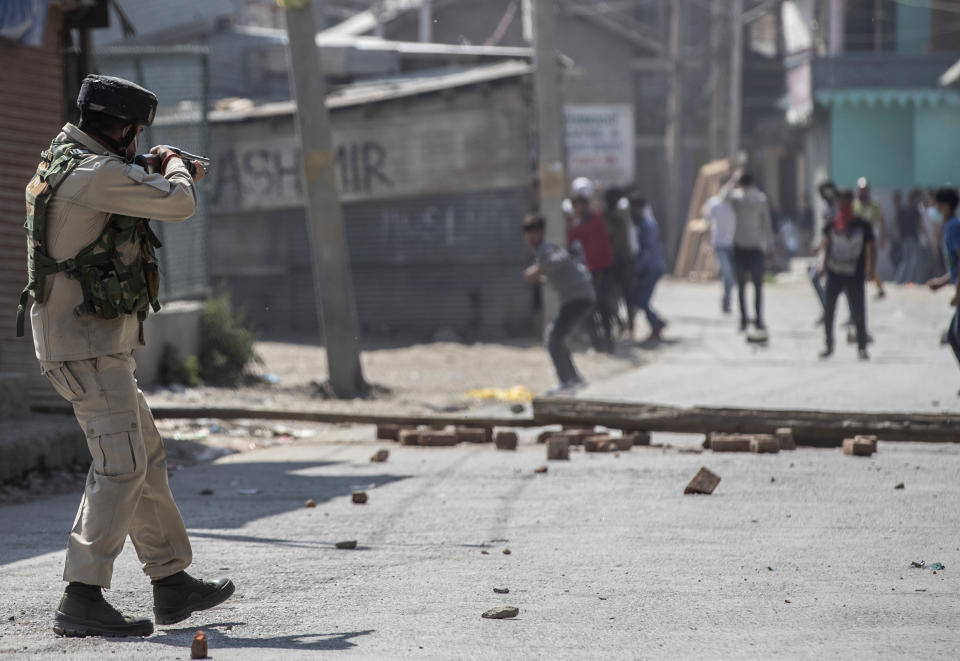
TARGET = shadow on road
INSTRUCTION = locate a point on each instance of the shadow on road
(218, 638)
(242, 492)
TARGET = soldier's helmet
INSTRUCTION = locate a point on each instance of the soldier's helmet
(118, 98)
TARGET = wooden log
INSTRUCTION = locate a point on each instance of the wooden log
(816, 428)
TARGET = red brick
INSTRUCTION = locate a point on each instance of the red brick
(730, 442)
(704, 482)
(639, 437)
(558, 448)
(785, 437)
(856, 447)
(380, 456)
(435, 438)
(623, 443)
(599, 443)
(506, 440)
(388, 432)
(472, 435)
(409, 436)
(869, 438)
(764, 444)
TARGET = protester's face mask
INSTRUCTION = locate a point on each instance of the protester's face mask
(934, 214)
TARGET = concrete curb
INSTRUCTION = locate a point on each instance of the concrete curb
(41, 442)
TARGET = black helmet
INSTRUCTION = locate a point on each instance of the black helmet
(118, 98)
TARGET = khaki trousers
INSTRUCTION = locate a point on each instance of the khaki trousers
(127, 492)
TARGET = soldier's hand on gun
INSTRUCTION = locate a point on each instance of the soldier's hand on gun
(197, 170)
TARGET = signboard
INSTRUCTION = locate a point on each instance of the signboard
(600, 143)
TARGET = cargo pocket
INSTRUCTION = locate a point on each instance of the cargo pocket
(63, 381)
(111, 439)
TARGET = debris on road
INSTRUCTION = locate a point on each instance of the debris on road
(936, 566)
(858, 447)
(558, 448)
(248, 492)
(348, 544)
(438, 438)
(409, 436)
(599, 443)
(359, 497)
(639, 437)
(507, 551)
(473, 435)
(540, 469)
(501, 613)
(729, 442)
(764, 444)
(310, 503)
(704, 482)
(387, 432)
(380, 456)
(502, 590)
(623, 443)
(206, 492)
(506, 440)
(785, 436)
(198, 648)
(900, 486)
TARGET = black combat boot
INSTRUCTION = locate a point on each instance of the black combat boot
(84, 612)
(176, 597)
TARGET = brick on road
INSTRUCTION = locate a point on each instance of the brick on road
(388, 432)
(506, 440)
(558, 448)
(704, 482)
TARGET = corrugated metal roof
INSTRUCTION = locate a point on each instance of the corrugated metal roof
(888, 98)
(389, 89)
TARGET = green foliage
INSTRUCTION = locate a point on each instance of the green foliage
(173, 369)
(226, 346)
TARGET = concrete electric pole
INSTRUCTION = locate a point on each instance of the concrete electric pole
(551, 168)
(735, 78)
(333, 282)
(675, 217)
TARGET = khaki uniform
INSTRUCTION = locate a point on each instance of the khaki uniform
(89, 361)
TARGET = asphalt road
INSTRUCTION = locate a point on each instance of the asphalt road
(801, 555)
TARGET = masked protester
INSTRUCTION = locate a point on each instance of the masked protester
(93, 275)
(850, 258)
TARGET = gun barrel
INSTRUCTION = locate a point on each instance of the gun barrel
(203, 160)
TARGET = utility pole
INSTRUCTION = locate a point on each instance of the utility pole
(736, 78)
(332, 280)
(718, 96)
(551, 168)
(675, 130)
(426, 21)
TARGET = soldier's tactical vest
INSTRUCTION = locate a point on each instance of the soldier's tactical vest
(117, 272)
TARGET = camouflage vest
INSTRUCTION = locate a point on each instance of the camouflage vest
(117, 272)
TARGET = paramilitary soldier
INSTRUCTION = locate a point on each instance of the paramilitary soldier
(93, 275)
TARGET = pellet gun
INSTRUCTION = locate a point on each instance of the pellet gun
(151, 163)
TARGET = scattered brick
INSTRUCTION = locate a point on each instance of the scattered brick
(729, 442)
(198, 648)
(409, 436)
(435, 439)
(639, 437)
(856, 447)
(380, 456)
(348, 544)
(359, 497)
(472, 435)
(310, 503)
(868, 438)
(540, 470)
(704, 482)
(388, 432)
(506, 440)
(764, 444)
(623, 443)
(785, 437)
(577, 436)
(558, 448)
(599, 443)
